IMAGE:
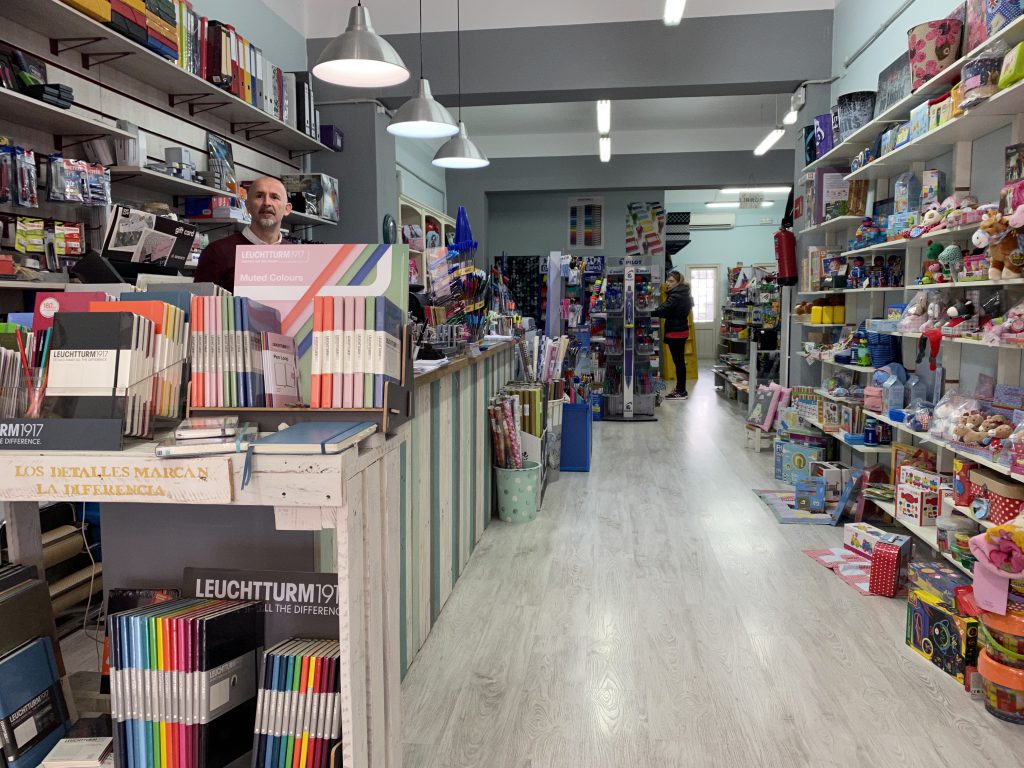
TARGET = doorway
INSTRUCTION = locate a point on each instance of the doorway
(705, 290)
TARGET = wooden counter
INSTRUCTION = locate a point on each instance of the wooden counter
(446, 467)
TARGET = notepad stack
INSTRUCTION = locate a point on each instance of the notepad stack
(240, 359)
(298, 714)
(183, 682)
(79, 753)
(357, 347)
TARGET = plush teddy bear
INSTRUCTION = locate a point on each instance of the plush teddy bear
(995, 235)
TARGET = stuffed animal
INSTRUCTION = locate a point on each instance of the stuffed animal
(916, 312)
(962, 310)
(952, 260)
(995, 235)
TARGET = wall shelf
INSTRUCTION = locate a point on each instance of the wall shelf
(966, 285)
(98, 44)
(297, 219)
(838, 224)
(59, 122)
(162, 182)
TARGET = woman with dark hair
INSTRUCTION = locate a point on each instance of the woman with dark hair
(676, 313)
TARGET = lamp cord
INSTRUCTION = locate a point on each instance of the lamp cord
(421, 39)
(458, 49)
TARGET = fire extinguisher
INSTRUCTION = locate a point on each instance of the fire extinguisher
(785, 255)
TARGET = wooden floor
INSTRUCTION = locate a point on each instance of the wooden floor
(655, 614)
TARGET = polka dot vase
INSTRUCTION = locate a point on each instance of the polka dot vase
(517, 492)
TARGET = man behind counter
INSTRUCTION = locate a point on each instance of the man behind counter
(267, 204)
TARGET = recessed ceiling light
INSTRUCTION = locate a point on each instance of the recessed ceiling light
(790, 117)
(723, 205)
(674, 10)
(604, 146)
(604, 117)
(755, 190)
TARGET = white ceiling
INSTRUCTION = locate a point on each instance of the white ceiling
(328, 18)
(639, 126)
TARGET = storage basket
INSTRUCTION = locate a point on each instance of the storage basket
(884, 349)
(855, 111)
(517, 492)
(934, 46)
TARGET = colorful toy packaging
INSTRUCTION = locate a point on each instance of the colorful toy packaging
(810, 495)
(793, 461)
(939, 579)
(863, 538)
(888, 570)
(916, 506)
(937, 632)
(1004, 498)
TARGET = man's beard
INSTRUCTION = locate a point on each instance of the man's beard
(266, 221)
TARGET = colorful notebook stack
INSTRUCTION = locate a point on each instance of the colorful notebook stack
(357, 347)
(13, 384)
(240, 358)
(33, 713)
(298, 715)
(208, 437)
(183, 682)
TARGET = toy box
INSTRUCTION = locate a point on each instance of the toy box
(919, 121)
(316, 189)
(893, 394)
(916, 506)
(932, 183)
(793, 461)
(810, 495)
(939, 579)
(862, 538)
(963, 492)
(1005, 498)
(834, 474)
(919, 478)
(938, 633)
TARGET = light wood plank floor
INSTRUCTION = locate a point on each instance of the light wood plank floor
(655, 614)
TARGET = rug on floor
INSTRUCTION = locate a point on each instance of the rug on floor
(853, 569)
(781, 504)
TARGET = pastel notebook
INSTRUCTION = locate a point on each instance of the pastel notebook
(288, 277)
(209, 446)
(315, 437)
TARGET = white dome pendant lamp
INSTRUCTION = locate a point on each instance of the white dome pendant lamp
(359, 57)
(459, 152)
(423, 117)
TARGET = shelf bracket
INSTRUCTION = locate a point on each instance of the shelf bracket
(57, 44)
(197, 108)
(294, 154)
(81, 139)
(174, 99)
(246, 126)
(250, 135)
(89, 60)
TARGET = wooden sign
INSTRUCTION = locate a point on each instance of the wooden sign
(123, 479)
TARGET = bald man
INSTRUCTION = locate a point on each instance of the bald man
(267, 204)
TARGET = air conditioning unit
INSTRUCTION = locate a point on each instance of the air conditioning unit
(706, 221)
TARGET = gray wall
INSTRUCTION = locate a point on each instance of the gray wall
(365, 170)
(587, 175)
(705, 56)
(261, 26)
(146, 546)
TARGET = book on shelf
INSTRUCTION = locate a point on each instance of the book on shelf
(200, 428)
(239, 442)
(231, 339)
(33, 712)
(183, 681)
(298, 709)
(89, 752)
(100, 367)
(315, 438)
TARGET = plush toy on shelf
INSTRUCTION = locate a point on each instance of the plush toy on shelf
(952, 261)
(931, 268)
(1006, 329)
(998, 238)
(936, 313)
(915, 313)
(962, 319)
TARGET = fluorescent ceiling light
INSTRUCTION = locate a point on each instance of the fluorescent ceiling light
(756, 190)
(604, 117)
(736, 204)
(674, 10)
(604, 145)
(790, 117)
(769, 141)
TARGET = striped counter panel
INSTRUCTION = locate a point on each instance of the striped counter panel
(445, 466)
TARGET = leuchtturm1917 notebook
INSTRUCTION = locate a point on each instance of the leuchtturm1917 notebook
(33, 713)
(315, 437)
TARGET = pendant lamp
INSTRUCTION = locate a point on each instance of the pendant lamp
(422, 117)
(359, 57)
(459, 152)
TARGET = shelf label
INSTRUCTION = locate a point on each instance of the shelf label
(136, 479)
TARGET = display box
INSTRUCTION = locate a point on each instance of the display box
(939, 579)
(862, 538)
(322, 188)
(942, 636)
(920, 479)
(888, 570)
(793, 461)
(916, 506)
(835, 475)
(932, 183)
(810, 495)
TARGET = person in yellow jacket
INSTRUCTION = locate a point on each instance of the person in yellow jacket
(675, 310)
